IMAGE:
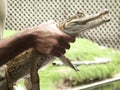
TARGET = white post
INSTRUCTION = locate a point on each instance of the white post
(3, 81)
(3, 5)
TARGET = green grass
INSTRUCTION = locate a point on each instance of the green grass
(8, 33)
(53, 77)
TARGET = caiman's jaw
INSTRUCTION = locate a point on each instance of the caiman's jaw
(78, 24)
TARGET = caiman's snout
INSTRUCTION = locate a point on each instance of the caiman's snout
(78, 24)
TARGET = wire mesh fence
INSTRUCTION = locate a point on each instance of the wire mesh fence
(28, 13)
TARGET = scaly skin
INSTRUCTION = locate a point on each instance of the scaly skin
(20, 66)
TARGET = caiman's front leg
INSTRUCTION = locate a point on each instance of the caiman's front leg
(34, 70)
(37, 61)
(3, 78)
(27, 82)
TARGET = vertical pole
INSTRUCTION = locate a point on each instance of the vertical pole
(3, 9)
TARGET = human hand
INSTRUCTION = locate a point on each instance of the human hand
(49, 40)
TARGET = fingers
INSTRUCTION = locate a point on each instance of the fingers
(54, 47)
(54, 50)
(68, 37)
(57, 51)
(63, 43)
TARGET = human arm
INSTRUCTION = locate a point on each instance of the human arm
(46, 39)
